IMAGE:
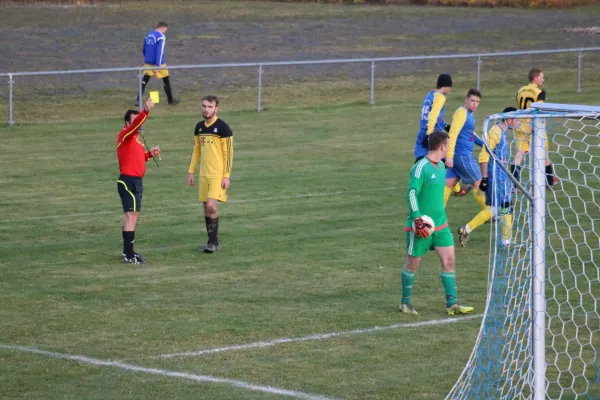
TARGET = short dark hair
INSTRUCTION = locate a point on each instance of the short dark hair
(473, 92)
(437, 139)
(444, 80)
(162, 24)
(509, 109)
(534, 73)
(211, 98)
(129, 113)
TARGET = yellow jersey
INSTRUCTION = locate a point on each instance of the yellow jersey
(213, 146)
(525, 96)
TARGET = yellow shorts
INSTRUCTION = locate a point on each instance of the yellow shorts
(161, 73)
(523, 139)
(210, 188)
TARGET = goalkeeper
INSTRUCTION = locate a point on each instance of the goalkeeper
(495, 182)
(425, 196)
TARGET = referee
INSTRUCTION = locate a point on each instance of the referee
(132, 167)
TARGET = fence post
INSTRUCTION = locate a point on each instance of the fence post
(372, 97)
(479, 71)
(579, 57)
(140, 100)
(10, 100)
(259, 100)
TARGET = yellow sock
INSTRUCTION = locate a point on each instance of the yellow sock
(480, 198)
(507, 221)
(447, 192)
(457, 188)
(479, 220)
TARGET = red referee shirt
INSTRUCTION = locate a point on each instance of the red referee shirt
(130, 150)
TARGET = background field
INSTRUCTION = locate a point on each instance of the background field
(312, 237)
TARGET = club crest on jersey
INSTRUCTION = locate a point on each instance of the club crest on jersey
(215, 131)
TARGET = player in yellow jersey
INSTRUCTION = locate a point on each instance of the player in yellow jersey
(213, 147)
(528, 94)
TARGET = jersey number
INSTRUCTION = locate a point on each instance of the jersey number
(425, 113)
(525, 102)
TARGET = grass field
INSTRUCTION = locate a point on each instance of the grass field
(312, 244)
(301, 301)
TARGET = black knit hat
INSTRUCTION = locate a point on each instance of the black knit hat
(444, 80)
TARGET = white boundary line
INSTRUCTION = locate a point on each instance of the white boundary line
(322, 336)
(166, 373)
(241, 201)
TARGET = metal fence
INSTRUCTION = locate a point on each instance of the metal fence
(477, 56)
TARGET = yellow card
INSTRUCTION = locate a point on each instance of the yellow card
(154, 97)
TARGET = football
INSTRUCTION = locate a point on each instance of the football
(428, 221)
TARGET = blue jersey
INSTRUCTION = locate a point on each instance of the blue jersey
(499, 185)
(432, 118)
(462, 133)
(498, 139)
(154, 48)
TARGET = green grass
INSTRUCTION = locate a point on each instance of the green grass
(312, 243)
(312, 237)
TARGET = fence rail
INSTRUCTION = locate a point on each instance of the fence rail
(478, 56)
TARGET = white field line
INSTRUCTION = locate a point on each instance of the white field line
(166, 373)
(317, 337)
(241, 201)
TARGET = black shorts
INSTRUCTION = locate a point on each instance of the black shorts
(130, 189)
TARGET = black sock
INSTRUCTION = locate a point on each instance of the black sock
(550, 174)
(145, 80)
(128, 240)
(516, 171)
(168, 91)
(212, 228)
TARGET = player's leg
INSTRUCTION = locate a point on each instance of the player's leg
(148, 73)
(215, 193)
(211, 217)
(451, 181)
(551, 179)
(444, 246)
(130, 190)
(416, 248)
(522, 141)
(164, 75)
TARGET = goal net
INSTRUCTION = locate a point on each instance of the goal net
(540, 334)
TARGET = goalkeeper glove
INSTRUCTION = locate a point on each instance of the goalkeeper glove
(426, 142)
(421, 229)
(447, 128)
(483, 185)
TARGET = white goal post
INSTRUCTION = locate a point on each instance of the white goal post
(540, 335)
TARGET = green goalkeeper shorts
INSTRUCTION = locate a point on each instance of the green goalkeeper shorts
(417, 247)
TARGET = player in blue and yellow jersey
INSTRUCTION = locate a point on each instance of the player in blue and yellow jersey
(495, 182)
(154, 57)
(425, 196)
(526, 95)
(460, 161)
(432, 118)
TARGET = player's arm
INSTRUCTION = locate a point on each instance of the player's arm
(227, 145)
(541, 97)
(412, 194)
(458, 121)
(160, 48)
(494, 135)
(196, 153)
(128, 132)
(436, 107)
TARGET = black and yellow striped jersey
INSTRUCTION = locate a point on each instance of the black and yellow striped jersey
(525, 96)
(213, 146)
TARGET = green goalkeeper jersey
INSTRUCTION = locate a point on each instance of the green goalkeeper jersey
(425, 193)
